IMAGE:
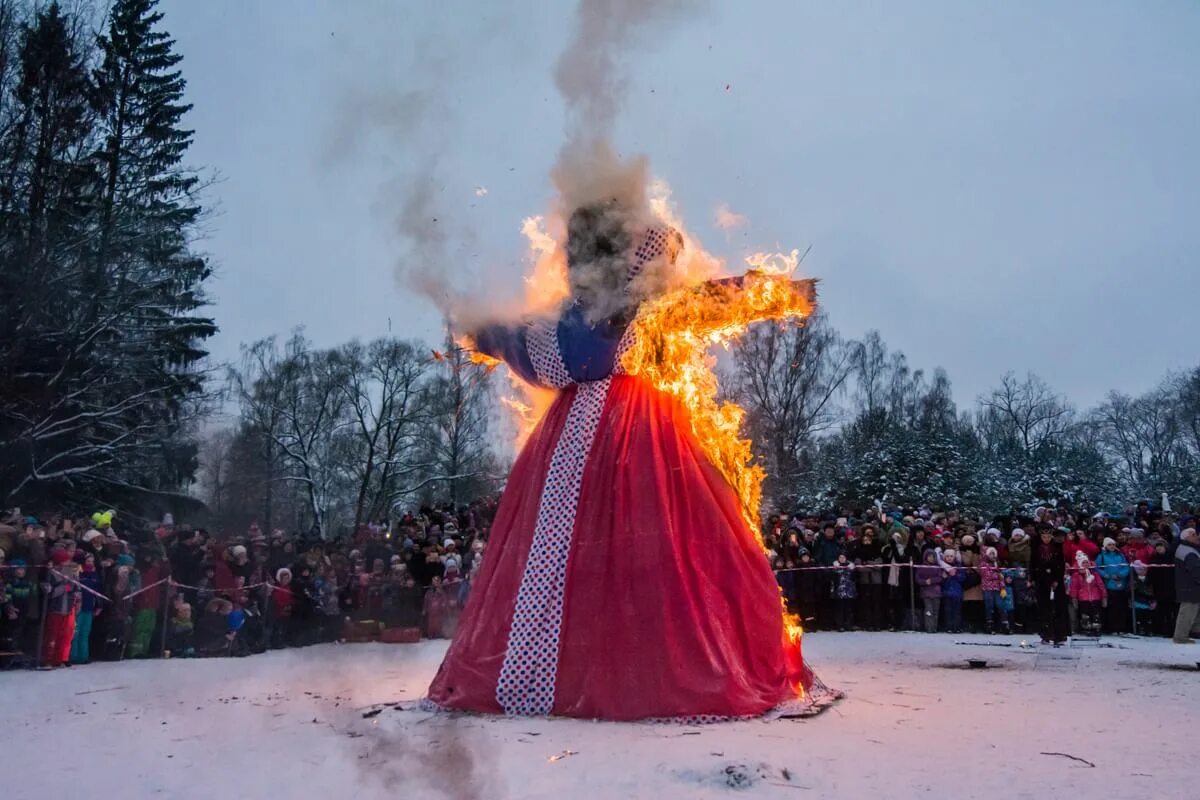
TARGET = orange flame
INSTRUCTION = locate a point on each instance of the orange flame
(671, 339)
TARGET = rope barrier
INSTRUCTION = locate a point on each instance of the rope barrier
(915, 565)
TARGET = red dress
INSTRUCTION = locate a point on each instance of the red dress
(621, 581)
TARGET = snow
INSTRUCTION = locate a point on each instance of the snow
(916, 723)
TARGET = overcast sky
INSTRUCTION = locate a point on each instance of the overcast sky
(993, 185)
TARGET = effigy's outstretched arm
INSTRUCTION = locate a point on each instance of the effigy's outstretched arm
(507, 343)
(729, 304)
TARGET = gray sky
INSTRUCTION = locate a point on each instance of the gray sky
(992, 185)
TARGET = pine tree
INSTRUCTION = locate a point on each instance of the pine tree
(101, 331)
(147, 207)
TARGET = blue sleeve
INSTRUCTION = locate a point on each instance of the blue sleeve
(507, 343)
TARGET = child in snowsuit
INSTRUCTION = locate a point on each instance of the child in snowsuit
(19, 593)
(181, 631)
(845, 592)
(90, 605)
(1089, 592)
(60, 610)
(953, 579)
(929, 581)
(991, 578)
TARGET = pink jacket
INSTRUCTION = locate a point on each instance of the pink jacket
(1083, 591)
(991, 579)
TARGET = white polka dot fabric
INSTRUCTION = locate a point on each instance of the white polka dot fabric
(542, 341)
(652, 245)
(527, 676)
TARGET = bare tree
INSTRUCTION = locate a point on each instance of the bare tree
(459, 399)
(787, 377)
(384, 389)
(1026, 413)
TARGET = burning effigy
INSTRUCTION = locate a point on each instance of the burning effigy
(625, 578)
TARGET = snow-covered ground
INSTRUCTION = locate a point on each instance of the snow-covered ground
(915, 723)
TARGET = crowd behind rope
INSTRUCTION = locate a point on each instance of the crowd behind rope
(78, 590)
(73, 590)
(1053, 573)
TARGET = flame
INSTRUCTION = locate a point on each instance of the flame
(546, 286)
(794, 632)
(671, 341)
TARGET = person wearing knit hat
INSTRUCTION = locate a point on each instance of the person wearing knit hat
(1114, 569)
(1047, 570)
(991, 582)
(1187, 584)
(91, 534)
(90, 604)
(281, 626)
(60, 611)
(1089, 592)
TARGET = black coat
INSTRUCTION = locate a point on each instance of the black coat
(1187, 574)
(1162, 578)
(1044, 571)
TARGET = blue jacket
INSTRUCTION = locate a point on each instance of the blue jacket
(1114, 569)
(90, 602)
(844, 585)
(952, 585)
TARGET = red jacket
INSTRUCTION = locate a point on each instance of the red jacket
(1138, 552)
(1089, 548)
(1083, 591)
(281, 601)
(151, 599)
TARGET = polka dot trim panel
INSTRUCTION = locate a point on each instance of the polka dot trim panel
(542, 341)
(526, 683)
(626, 342)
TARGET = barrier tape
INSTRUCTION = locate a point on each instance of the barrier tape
(914, 565)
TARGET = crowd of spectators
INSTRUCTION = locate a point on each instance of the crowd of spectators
(73, 590)
(1054, 572)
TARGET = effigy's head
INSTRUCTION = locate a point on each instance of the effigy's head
(615, 261)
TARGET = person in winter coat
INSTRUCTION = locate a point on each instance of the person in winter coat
(808, 582)
(1113, 567)
(1162, 578)
(147, 605)
(1077, 541)
(1047, 570)
(180, 631)
(60, 609)
(787, 583)
(1018, 548)
(868, 552)
(1187, 584)
(902, 557)
(90, 606)
(825, 554)
(20, 592)
(1137, 548)
(1088, 590)
(845, 592)
(929, 581)
(969, 559)
(953, 579)
(282, 599)
(1144, 603)
(995, 592)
